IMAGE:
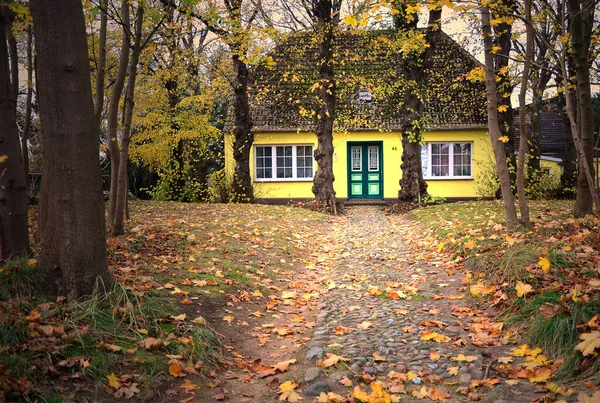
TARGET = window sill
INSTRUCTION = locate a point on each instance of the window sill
(284, 180)
(448, 178)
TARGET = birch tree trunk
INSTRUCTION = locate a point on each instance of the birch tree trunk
(492, 109)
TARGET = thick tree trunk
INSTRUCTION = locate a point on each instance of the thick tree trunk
(243, 136)
(113, 113)
(582, 14)
(412, 185)
(27, 124)
(323, 180)
(495, 134)
(523, 206)
(118, 225)
(73, 241)
(14, 236)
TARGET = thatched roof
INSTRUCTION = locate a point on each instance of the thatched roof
(367, 65)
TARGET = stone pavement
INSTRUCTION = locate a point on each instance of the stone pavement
(381, 303)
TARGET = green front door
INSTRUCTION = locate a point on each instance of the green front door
(365, 170)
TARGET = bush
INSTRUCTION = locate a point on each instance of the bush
(538, 184)
(220, 187)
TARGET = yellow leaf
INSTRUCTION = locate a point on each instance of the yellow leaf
(467, 358)
(505, 360)
(512, 382)
(502, 108)
(112, 380)
(360, 394)
(544, 263)
(179, 317)
(523, 289)
(199, 320)
(541, 375)
(228, 318)
(591, 341)
(470, 244)
(3, 158)
(350, 20)
(503, 139)
(521, 351)
(453, 370)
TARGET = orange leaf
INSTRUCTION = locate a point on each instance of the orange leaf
(176, 370)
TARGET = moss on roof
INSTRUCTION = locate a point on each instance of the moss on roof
(368, 64)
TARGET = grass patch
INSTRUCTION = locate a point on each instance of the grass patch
(558, 336)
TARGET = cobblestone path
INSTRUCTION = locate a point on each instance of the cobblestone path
(382, 301)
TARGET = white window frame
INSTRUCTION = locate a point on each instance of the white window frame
(294, 177)
(427, 173)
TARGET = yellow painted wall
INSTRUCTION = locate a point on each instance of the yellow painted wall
(556, 169)
(392, 153)
(482, 154)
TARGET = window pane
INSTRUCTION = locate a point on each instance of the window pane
(440, 159)
(284, 161)
(263, 162)
(373, 158)
(304, 161)
(424, 159)
(462, 159)
(356, 158)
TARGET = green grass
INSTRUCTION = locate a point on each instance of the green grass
(557, 336)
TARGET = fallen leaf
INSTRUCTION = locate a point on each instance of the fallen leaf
(591, 341)
(112, 380)
(151, 343)
(523, 289)
(544, 263)
(176, 370)
(284, 366)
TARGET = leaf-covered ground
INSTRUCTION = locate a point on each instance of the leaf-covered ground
(250, 303)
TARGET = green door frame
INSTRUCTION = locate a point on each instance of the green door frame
(364, 171)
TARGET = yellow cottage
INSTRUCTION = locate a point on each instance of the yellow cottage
(368, 146)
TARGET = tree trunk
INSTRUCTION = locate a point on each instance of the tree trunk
(113, 113)
(523, 129)
(324, 178)
(505, 86)
(582, 14)
(492, 109)
(243, 136)
(14, 236)
(412, 185)
(118, 226)
(73, 241)
(101, 66)
(568, 179)
(27, 124)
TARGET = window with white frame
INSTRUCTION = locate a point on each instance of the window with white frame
(447, 160)
(284, 162)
